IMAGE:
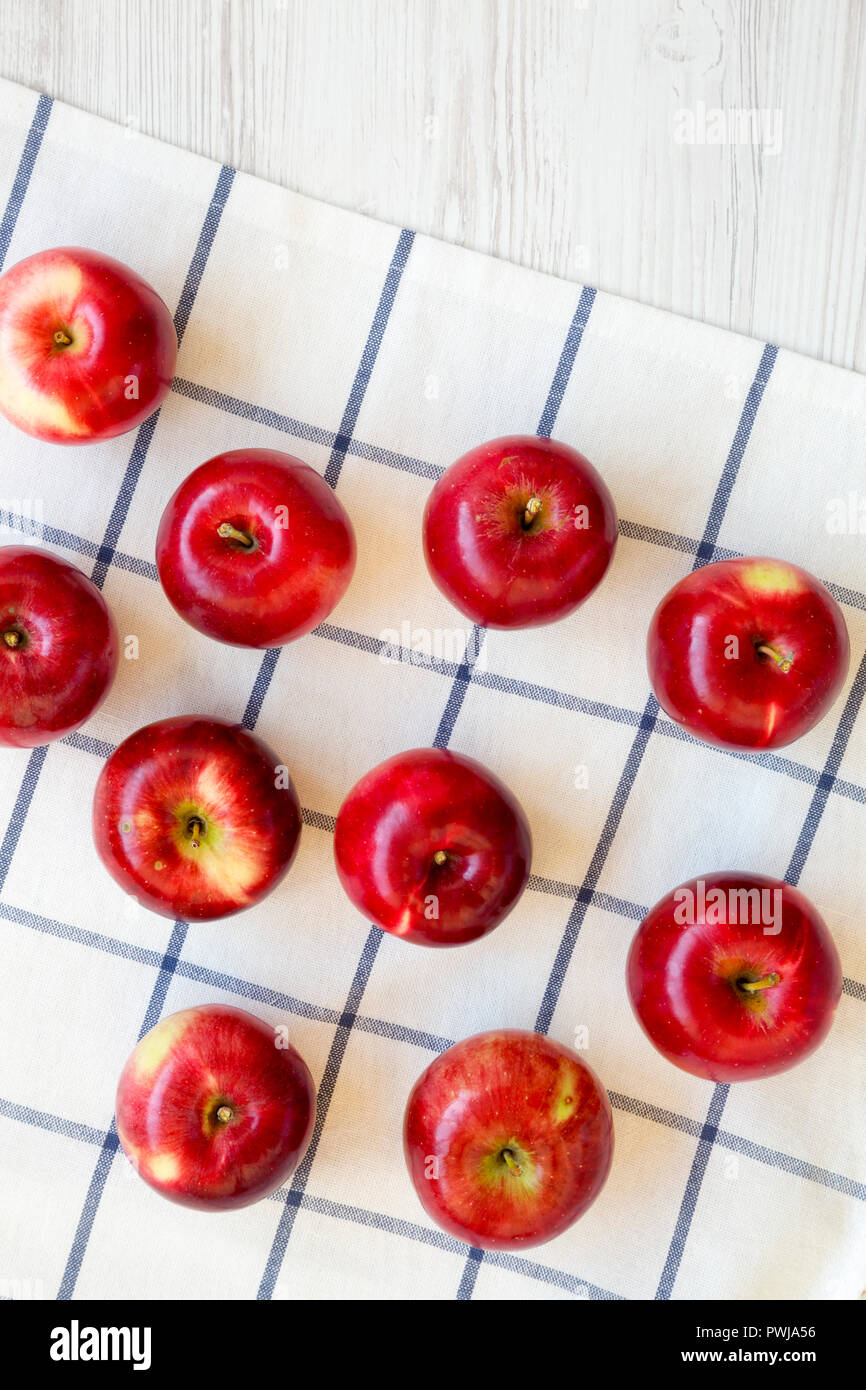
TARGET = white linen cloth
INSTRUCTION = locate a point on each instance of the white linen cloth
(379, 358)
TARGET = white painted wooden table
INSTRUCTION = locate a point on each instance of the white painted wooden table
(706, 156)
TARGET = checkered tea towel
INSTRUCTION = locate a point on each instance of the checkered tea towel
(379, 356)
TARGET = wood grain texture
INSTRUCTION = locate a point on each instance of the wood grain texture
(549, 132)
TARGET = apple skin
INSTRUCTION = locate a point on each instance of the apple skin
(749, 700)
(190, 1066)
(58, 647)
(499, 571)
(683, 983)
(514, 1091)
(117, 327)
(287, 580)
(188, 819)
(407, 810)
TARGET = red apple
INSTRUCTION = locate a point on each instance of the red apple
(519, 531)
(508, 1138)
(747, 653)
(87, 348)
(432, 847)
(58, 647)
(215, 1108)
(254, 548)
(195, 817)
(734, 976)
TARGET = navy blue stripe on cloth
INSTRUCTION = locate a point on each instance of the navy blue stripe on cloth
(797, 1167)
(111, 1142)
(35, 764)
(64, 931)
(302, 429)
(706, 549)
(692, 1192)
(201, 255)
(257, 414)
(827, 779)
(465, 672)
(323, 1103)
(369, 355)
(468, 1278)
(342, 441)
(127, 950)
(602, 849)
(86, 743)
(457, 693)
(566, 361)
(67, 540)
(52, 1124)
(424, 1235)
(123, 501)
(32, 146)
(146, 430)
(110, 1145)
(260, 688)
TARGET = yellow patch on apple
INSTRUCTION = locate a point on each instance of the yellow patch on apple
(156, 1045)
(564, 1101)
(163, 1168)
(62, 283)
(767, 578)
(234, 874)
(22, 403)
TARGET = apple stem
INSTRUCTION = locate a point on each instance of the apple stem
(224, 1114)
(511, 1162)
(752, 986)
(12, 637)
(231, 533)
(195, 827)
(784, 663)
(440, 857)
(61, 339)
(531, 510)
